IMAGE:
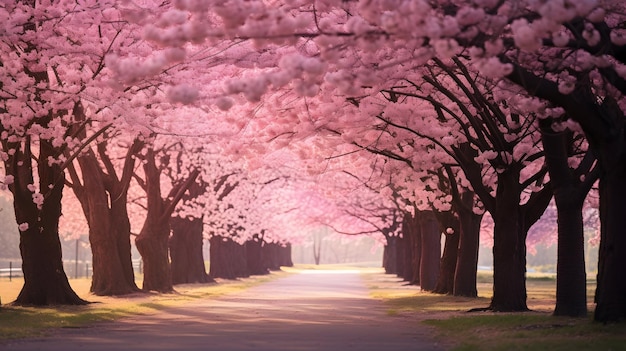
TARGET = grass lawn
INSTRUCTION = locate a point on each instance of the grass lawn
(19, 322)
(458, 329)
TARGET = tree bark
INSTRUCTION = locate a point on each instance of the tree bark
(152, 241)
(186, 257)
(255, 262)
(400, 249)
(285, 259)
(45, 281)
(390, 253)
(607, 139)
(445, 280)
(569, 194)
(152, 245)
(103, 198)
(610, 295)
(511, 223)
(469, 242)
(430, 250)
(228, 258)
(571, 278)
(509, 246)
(412, 249)
(271, 255)
(108, 276)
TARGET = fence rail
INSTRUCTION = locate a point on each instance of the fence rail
(11, 272)
(72, 269)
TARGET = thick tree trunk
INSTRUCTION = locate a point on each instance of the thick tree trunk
(569, 194)
(152, 241)
(109, 231)
(112, 265)
(152, 245)
(271, 256)
(412, 249)
(416, 251)
(120, 225)
(285, 259)
(45, 282)
(571, 279)
(607, 140)
(611, 290)
(511, 223)
(228, 259)
(509, 247)
(103, 197)
(186, 251)
(445, 280)
(390, 258)
(400, 261)
(430, 250)
(255, 261)
(469, 242)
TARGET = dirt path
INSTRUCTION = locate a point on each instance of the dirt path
(316, 310)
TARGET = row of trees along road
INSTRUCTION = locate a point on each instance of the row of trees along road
(443, 109)
(65, 125)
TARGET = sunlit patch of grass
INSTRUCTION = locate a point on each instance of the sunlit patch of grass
(534, 330)
(20, 322)
(427, 302)
(529, 331)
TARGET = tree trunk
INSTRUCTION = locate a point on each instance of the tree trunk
(571, 277)
(109, 231)
(45, 282)
(285, 259)
(228, 258)
(469, 242)
(607, 140)
(430, 250)
(103, 198)
(112, 264)
(271, 256)
(400, 261)
(390, 255)
(152, 245)
(509, 246)
(152, 241)
(416, 251)
(255, 261)
(445, 280)
(120, 225)
(569, 195)
(317, 248)
(511, 223)
(611, 290)
(412, 252)
(186, 251)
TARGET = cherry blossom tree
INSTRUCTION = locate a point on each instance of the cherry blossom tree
(103, 196)
(291, 71)
(152, 241)
(37, 100)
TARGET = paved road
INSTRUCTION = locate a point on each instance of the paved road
(323, 310)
